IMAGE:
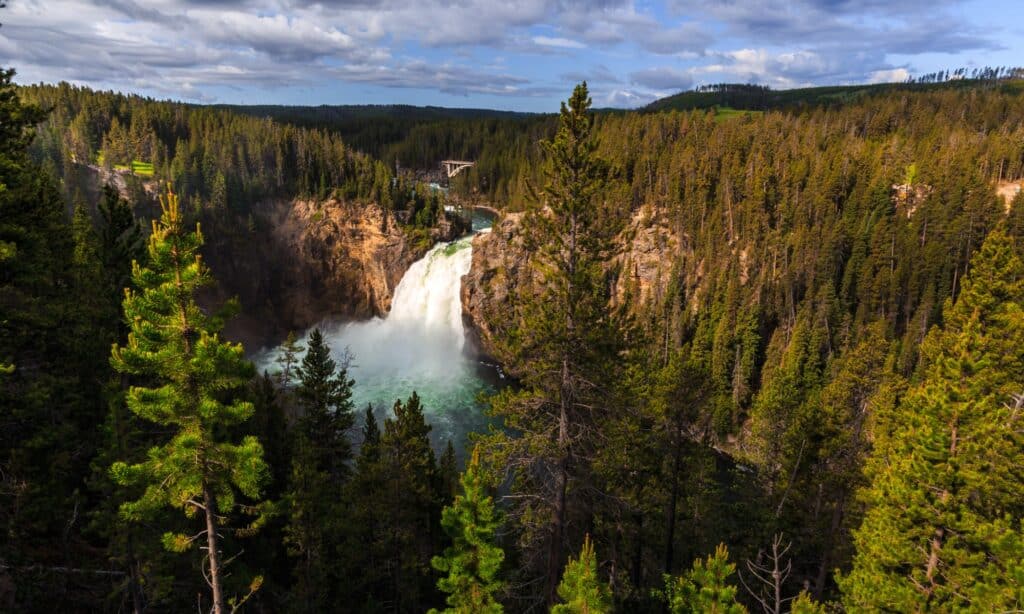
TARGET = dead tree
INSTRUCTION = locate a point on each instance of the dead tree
(769, 574)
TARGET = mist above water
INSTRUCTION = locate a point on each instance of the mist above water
(420, 345)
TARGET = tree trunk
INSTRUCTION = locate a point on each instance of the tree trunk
(672, 505)
(134, 586)
(210, 502)
(561, 485)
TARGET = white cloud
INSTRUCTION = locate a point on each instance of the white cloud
(628, 99)
(563, 43)
(894, 75)
(185, 46)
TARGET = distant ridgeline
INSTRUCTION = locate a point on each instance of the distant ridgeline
(753, 97)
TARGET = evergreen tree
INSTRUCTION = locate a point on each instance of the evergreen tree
(291, 349)
(705, 588)
(320, 457)
(943, 528)
(581, 590)
(363, 554)
(196, 377)
(324, 395)
(473, 561)
(408, 473)
(51, 388)
(563, 345)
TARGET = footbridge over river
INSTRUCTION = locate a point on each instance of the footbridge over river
(454, 167)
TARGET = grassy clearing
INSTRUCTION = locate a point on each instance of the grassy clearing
(137, 167)
(142, 168)
(724, 113)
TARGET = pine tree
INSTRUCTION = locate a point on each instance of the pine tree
(705, 588)
(581, 590)
(943, 529)
(324, 395)
(408, 474)
(363, 552)
(564, 343)
(291, 349)
(51, 397)
(196, 377)
(473, 561)
(320, 457)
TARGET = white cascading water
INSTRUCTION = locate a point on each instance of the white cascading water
(422, 337)
(417, 346)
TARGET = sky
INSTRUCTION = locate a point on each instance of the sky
(522, 55)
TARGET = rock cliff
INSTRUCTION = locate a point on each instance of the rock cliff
(646, 251)
(306, 261)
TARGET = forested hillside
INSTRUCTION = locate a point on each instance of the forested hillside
(763, 359)
(752, 97)
(768, 362)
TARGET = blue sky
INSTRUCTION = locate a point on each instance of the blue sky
(512, 54)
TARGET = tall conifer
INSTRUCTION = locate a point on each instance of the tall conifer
(320, 469)
(943, 530)
(565, 340)
(473, 561)
(196, 377)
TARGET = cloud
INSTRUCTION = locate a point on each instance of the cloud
(190, 47)
(563, 43)
(662, 78)
(894, 75)
(627, 99)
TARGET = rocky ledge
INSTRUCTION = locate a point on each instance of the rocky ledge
(308, 261)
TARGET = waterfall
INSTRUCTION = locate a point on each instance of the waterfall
(422, 337)
(418, 345)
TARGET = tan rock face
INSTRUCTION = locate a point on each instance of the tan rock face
(311, 261)
(647, 251)
(500, 266)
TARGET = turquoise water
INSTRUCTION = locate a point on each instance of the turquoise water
(420, 345)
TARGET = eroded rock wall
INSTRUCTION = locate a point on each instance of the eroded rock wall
(646, 251)
(308, 261)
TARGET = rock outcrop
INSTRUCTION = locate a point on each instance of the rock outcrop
(307, 261)
(646, 251)
(500, 265)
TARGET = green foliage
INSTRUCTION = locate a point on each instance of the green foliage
(803, 604)
(581, 590)
(51, 387)
(564, 342)
(942, 530)
(395, 519)
(196, 377)
(473, 561)
(705, 588)
(320, 456)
